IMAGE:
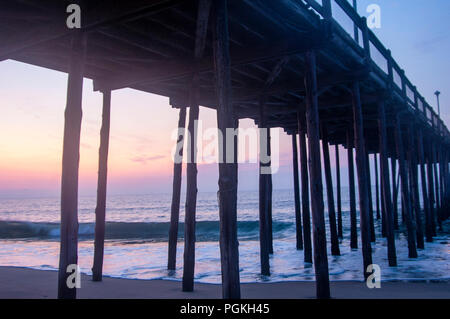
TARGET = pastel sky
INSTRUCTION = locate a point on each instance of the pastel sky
(33, 100)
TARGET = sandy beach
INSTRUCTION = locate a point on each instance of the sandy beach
(37, 284)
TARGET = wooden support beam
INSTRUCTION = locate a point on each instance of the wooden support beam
(369, 191)
(338, 193)
(264, 160)
(412, 159)
(176, 192)
(100, 210)
(430, 179)
(406, 200)
(394, 191)
(204, 8)
(305, 188)
(229, 253)
(436, 182)
(423, 180)
(298, 217)
(315, 171)
(377, 186)
(269, 195)
(363, 185)
(386, 194)
(68, 254)
(330, 197)
(352, 195)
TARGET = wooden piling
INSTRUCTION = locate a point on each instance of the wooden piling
(412, 159)
(203, 13)
(264, 160)
(406, 202)
(307, 251)
(315, 171)
(338, 193)
(363, 185)
(431, 197)
(394, 191)
(68, 254)
(269, 196)
(426, 203)
(351, 182)
(330, 197)
(176, 192)
(386, 194)
(369, 190)
(227, 194)
(377, 186)
(100, 210)
(191, 196)
(298, 217)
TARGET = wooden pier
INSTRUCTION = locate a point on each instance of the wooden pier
(283, 63)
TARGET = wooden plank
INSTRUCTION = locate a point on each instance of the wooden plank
(176, 192)
(68, 254)
(315, 171)
(100, 210)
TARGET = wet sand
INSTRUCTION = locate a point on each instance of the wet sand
(29, 283)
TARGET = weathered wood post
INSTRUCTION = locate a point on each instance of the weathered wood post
(377, 186)
(229, 252)
(369, 190)
(363, 185)
(351, 183)
(99, 240)
(264, 161)
(426, 203)
(68, 254)
(203, 12)
(431, 187)
(330, 197)
(412, 251)
(412, 159)
(317, 208)
(191, 194)
(176, 192)
(338, 193)
(394, 191)
(384, 170)
(436, 179)
(307, 251)
(269, 194)
(298, 217)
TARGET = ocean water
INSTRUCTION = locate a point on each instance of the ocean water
(136, 240)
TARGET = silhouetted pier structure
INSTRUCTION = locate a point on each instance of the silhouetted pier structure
(284, 63)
